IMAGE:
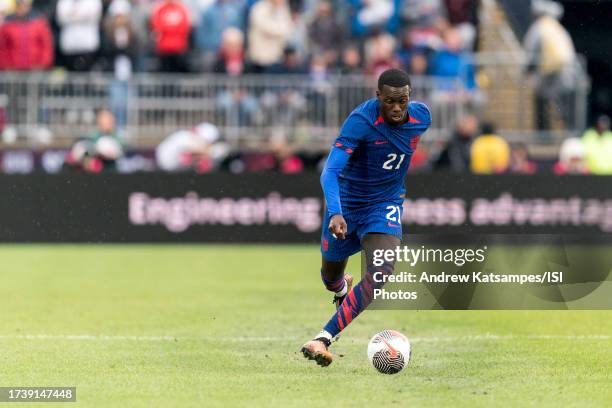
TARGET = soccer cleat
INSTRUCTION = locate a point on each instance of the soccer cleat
(349, 284)
(317, 350)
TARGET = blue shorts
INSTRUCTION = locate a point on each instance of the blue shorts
(382, 218)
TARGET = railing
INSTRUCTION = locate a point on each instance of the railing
(249, 110)
(511, 98)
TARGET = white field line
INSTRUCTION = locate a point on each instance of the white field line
(83, 337)
(247, 339)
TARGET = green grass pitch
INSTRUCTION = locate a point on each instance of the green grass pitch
(220, 326)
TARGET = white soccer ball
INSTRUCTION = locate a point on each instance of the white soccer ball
(389, 351)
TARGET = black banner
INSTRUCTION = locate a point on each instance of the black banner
(152, 207)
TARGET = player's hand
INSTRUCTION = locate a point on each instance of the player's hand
(337, 226)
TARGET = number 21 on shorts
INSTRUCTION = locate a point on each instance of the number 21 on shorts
(394, 213)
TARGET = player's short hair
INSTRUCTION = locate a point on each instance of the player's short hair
(393, 77)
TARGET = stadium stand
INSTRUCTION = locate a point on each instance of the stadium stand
(268, 70)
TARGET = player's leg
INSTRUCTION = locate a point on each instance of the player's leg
(355, 302)
(335, 254)
(335, 279)
(361, 296)
(332, 274)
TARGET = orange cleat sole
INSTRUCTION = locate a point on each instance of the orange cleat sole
(312, 351)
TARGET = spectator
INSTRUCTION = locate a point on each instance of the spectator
(319, 91)
(171, 28)
(571, 158)
(598, 147)
(47, 8)
(352, 93)
(6, 7)
(325, 33)
(350, 63)
(222, 15)
(421, 13)
(25, 40)
(418, 65)
(287, 162)
(279, 157)
(291, 64)
(452, 63)
(230, 59)
(519, 160)
(298, 39)
(551, 59)
(406, 51)
(455, 156)
(371, 16)
(197, 149)
(79, 42)
(490, 153)
(379, 54)
(297, 5)
(119, 49)
(197, 8)
(76, 158)
(119, 39)
(105, 121)
(140, 17)
(462, 11)
(463, 15)
(285, 105)
(269, 32)
(100, 150)
(428, 37)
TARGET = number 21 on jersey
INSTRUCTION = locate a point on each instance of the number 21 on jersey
(390, 164)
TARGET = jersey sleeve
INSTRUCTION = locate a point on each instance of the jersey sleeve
(422, 114)
(336, 161)
(352, 132)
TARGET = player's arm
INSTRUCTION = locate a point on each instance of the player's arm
(336, 161)
(351, 133)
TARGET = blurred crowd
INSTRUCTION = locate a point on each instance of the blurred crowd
(234, 37)
(479, 149)
(473, 147)
(312, 37)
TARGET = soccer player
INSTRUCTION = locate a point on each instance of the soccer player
(363, 183)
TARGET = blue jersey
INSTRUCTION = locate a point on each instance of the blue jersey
(369, 160)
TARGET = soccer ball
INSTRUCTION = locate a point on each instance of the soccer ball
(389, 351)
